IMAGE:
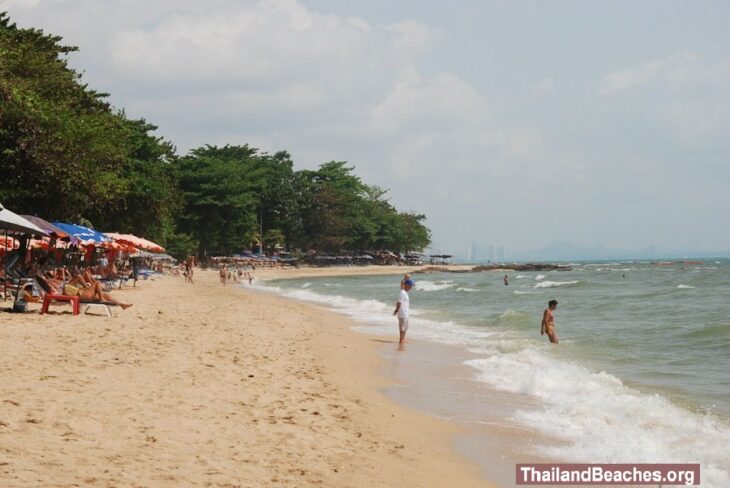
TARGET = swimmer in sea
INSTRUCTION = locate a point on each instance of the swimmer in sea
(548, 322)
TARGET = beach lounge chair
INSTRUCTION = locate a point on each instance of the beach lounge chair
(50, 297)
(75, 301)
(106, 306)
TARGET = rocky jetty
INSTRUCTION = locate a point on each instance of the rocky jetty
(523, 267)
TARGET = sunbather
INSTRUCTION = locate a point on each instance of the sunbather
(94, 293)
(28, 295)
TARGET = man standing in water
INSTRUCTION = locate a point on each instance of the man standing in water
(402, 310)
(548, 322)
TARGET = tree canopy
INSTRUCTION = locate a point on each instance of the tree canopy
(67, 154)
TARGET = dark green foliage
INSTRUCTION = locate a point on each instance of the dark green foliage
(65, 154)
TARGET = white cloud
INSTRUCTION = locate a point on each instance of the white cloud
(502, 149)
(270, 43)
(20, 4)
(672, 69)
(542, 87)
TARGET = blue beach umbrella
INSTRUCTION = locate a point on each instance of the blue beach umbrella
(83, 234)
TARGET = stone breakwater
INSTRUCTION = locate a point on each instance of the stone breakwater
(526, 267)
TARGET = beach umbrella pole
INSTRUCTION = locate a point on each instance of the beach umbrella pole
(5, 265)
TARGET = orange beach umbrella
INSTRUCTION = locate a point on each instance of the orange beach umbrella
(135, 241)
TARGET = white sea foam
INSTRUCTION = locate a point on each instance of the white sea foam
(519, 277)
(306, 285)
(339, 301)
(553, 284)
(684, 287)
(539, 277)
(464, 288)
(602, 420)
(518, 292)
(423, 285)
(379, 319)
(270, 289)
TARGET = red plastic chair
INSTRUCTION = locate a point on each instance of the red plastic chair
(75, 302)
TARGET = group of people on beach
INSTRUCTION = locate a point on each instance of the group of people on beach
(82, 284)
(225, 275)
(403, 309)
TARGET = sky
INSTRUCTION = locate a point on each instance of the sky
(513, 123)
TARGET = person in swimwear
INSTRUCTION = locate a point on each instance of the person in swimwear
(87, 291)
(548, 322)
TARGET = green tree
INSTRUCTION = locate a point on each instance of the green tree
(219, 196)
(66, 154)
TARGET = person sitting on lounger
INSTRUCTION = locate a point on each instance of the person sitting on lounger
(94, 293)
(28, 295)
(109, 272)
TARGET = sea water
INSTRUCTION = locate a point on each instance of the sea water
(642, 371)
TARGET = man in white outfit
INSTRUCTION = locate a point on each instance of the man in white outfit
(402, 310)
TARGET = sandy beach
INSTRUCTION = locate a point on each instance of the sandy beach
(205, 385)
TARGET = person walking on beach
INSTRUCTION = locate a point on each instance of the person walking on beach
(402, 310)
(189, 265)
(548, 322)
(223, 273)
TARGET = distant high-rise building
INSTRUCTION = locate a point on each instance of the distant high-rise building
(500, 254)
(477, 253)
(492, 253)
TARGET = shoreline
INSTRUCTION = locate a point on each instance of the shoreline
(200, 384)
(432, 378)
(448, 389)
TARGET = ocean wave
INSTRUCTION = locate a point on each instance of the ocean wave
(519, 277)
(306, 285)
(720, 330)
(423, 285)
(518, 292)
(376, 318)
(338, 301)
(602, 420)
(269, 289)
(464, 288)
(539, 277)
(553, 284)
(685, 287)
(514, 318)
